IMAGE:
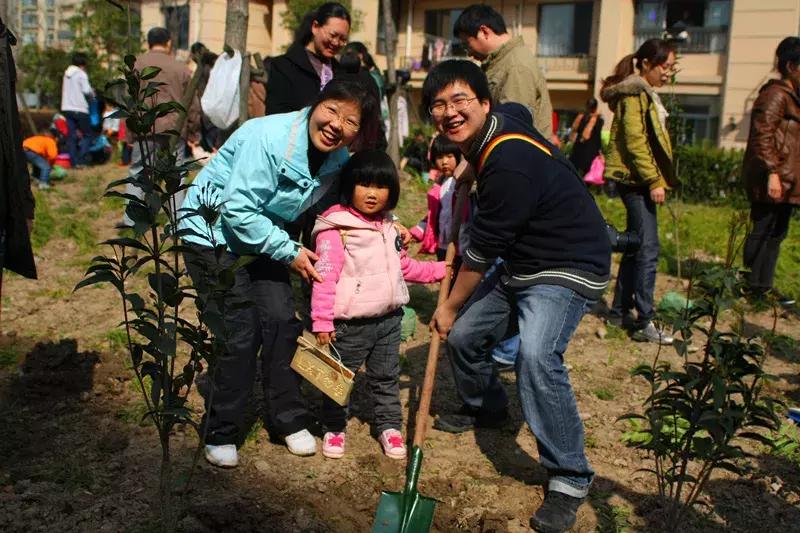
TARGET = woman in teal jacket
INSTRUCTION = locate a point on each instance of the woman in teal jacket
(267, 173)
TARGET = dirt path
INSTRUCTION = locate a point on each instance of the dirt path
(74, 456)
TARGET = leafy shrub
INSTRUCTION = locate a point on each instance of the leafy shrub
(709, 174)
(699, 412)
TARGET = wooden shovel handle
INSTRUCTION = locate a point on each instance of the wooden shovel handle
(421, 422)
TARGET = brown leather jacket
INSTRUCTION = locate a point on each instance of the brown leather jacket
(774, 142)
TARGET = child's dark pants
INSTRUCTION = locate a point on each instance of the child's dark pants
(376, 341)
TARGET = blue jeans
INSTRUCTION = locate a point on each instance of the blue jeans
(78, 150)
(40, 163)
(545, 317)
(636, 278)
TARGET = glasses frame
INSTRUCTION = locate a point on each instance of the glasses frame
(459, 104)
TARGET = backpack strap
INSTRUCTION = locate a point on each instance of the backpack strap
(507, 137)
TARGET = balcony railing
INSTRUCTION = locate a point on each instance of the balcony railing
(692, 40)
(574, 64)
(437, 49)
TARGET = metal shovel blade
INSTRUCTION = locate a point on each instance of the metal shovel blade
(407, 511)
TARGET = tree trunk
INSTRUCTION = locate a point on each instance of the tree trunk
(236, 17)
(390, 36)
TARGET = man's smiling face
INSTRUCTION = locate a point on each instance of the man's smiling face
(458, 113)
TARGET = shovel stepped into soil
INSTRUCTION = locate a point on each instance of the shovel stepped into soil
(409, 511)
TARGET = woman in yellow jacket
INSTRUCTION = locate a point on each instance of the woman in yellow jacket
(639, 159)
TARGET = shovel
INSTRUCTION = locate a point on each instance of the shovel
(409, 511)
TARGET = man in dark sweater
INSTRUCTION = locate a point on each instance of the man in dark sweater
(535, 213)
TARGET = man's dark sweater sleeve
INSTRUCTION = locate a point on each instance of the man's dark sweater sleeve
(506, 199)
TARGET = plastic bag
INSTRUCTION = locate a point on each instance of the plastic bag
(408, 324)
(595, 174)
(220, 100)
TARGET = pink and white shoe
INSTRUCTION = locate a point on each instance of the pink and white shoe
(393, 444)
(333, 445)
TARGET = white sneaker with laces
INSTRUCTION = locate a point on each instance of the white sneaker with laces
(302, 443)
(223, 455)
(650, 333)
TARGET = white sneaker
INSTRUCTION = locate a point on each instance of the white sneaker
(224, 455)
(302, 443)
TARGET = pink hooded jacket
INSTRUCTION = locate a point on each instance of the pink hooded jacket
(363, 267)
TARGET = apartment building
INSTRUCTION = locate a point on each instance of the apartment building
(42, 22)
(726, 46)
(726, 49)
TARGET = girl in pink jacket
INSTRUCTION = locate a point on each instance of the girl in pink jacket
(357, 306)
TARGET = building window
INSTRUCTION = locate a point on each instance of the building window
(698, 119)
(30, 20)
(565, 29)
(439, 41)
(176, 20)
(698, 26)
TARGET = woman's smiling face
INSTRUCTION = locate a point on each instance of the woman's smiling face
(329, 38)
(334, 124)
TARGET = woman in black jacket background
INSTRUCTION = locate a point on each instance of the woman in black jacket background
(297, 76)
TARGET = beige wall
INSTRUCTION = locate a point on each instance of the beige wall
(207, 23)
(757, 26)
(615, 41)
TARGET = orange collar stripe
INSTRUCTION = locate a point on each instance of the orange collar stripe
(507, 137)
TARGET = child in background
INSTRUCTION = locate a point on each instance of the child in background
(434, 229)
(41, 151)
(357, 306)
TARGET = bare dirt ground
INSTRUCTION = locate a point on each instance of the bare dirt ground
(75, 456)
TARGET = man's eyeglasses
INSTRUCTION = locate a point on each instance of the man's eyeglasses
(458, 104)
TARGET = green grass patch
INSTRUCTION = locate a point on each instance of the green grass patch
(786, 443)
(611, 518)
(135, 413)
(413, 203)
(615, 333)
(73, 473)
(255, 432)
(605, 393)
(783, 347)
(9, 355)
(78, 230)
(702, 231)
(117, 339)
(423, 301)
(44, 224)
(92, 189)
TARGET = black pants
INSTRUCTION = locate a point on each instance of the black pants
(267, 324)
(636, 278)
(763, 244)
(376, 341)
